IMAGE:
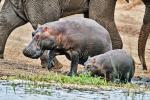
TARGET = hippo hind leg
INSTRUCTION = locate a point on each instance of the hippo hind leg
(126, 77)
(132, 71)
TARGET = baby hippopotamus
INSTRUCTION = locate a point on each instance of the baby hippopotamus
(76, 38)
(112, 65)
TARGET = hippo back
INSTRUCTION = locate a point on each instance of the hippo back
(85, 33)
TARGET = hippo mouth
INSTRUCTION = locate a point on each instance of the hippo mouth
(33, 54)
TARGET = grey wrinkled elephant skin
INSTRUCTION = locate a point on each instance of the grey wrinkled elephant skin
(114, 65)
(77, 38)
(15, 13)
(144, 33)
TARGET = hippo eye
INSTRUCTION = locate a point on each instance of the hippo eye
(37, 37)
(33, 34)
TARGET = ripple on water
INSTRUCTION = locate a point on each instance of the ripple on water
(26, 90)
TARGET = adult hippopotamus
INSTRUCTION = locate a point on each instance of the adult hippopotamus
(112, 65)
(77, 38)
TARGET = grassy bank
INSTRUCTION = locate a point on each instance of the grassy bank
(77, 82)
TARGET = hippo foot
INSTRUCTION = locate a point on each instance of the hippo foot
(72, 74)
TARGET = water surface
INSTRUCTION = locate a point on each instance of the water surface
(26, 90)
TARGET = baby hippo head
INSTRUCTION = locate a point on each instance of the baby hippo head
(43, 39)
(94, 66)
(90, 64)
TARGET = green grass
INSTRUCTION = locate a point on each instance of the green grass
(81, 80)
(64, 79)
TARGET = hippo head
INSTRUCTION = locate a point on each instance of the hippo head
(95, 67)
(90, 65)
(43, 39)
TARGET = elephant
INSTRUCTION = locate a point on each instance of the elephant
(15, 13)
(144, 33)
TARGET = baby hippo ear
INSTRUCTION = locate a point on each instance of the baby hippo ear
(85, 63)
(94, 61)
(89, 57)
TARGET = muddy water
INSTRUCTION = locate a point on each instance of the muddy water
(25, 90)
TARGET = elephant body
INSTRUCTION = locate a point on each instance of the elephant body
(112, 65)
(15, 13)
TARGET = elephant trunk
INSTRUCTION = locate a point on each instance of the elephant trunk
(142, 44)
(8, 22)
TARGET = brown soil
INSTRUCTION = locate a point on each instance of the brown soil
(128, 23)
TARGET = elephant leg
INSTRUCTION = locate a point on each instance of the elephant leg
(40, 12)
(86, 14)
(8, 22)
(44, 61)
(103, 12)
(143, 36)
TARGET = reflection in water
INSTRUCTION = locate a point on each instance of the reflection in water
(26, 90)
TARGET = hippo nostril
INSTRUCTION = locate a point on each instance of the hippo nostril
(27, 52)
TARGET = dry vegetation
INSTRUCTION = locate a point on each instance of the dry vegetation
(128, 20)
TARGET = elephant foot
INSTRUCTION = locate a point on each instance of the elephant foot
(1, 56)
(56, 64)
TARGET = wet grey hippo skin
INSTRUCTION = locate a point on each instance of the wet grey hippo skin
(15, 13)
(112, 65)
(77, 38)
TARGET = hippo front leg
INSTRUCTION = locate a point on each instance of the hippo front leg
(74, 55)
(51, 59)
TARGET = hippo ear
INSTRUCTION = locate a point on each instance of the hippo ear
(39, 25)
(89, 57)
(46, 29)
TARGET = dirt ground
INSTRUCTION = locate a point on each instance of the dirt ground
(128, 23)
